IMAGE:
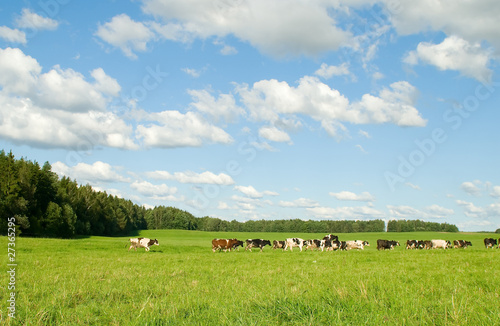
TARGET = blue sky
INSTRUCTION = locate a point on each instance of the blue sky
(262, 109)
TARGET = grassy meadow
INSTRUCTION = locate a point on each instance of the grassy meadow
(96, 281)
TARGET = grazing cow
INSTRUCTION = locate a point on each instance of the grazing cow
(461, 244)
(332, 245)
(225, 244)
(490, 242)
(427, 244)
(414, 244)
(278, 244)
(331, 237)
(142, 243)
(444, 244)
(356, 244)
(294, 242)
(386, 244)
(318, 244)
(260, 243)
(343, 245)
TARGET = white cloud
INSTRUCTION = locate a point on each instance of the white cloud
(454, 53)
(495, 192)
(271, 100)
(253, 193)
(89, 173)
(126, 34)
(31, 20)
(168, 129)
(259, 22)
(301, 202)
(12, 35)
(57, 109)
(471, 210)
(432, 211)
(364, 134)
(471, 188)
(413, 186)
(347, 195)
(328, 72)
(151, 190)
(216, 108)
(273, 134)
(192, 177)
(472, 21)
(192, 72)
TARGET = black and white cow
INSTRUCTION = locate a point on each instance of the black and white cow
(318, 244)
(332, 245)
(414, 244)
(294, 242)
(142, 243)
(490, 242)
(259, 243)
(331, 237)
(461, 244)
(278, 244)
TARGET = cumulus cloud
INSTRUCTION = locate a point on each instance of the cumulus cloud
(474, 22)
(273, 134)
(31, 20)
(327, 72)
(89, 173)
(168, 129)
(151, 190)
(126, 34)
(300, 202)
(193, 177)
(260, 22)
(251, 192)
(347, 195)
(59, 108)
(271, 100)
(216, 108)
(471, 188)
(454, 53)
(432, 211)
(471, 210)
(12, 35)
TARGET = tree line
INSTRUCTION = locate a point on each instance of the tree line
(46, 205)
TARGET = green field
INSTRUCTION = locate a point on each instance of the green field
(96, 281)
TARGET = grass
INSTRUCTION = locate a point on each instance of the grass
(96, 281)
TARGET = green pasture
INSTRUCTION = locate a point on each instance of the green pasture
(96, 281)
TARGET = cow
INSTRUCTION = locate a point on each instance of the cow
(260, 243)
(142, 243)
(386, 244)
(444, 244)
(225, 244)
(356, 244)
(294, 242)
(332, 245)
(414, 244)
(490, 243)
(343, 245)
(331, 237)
(427, 244)
(318, 244)
(461, 244)
(278, 244)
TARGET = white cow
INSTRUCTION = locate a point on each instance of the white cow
(294, 242)
(440, 244)
(142, 243)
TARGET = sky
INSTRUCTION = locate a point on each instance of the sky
(262, 109)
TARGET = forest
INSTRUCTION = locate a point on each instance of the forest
(46, 205)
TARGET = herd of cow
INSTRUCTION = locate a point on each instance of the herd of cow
(329, 242)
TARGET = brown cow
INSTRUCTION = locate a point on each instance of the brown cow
(225, 244)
